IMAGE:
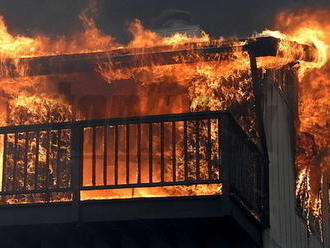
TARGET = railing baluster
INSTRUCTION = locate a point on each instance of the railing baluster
(174, 151)
(223, 140)
(68, 134)
(197, 151)
(162, 165)
(209, 149)
(36, 166)
(116, 154)
(16, 149)
(138, 155)
(197, 133)
(47, 169)
(105, 155)
(150, 154)
(58, 160)
(5, 167)
(127, 154)
(185, 143)
(26, 159)
(94, 156)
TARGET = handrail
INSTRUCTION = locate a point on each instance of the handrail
(113, 121)
(210, 148)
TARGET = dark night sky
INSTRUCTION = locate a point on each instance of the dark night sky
(227, 18)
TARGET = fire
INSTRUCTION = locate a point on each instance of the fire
(146, 38)
(15, 46)
(209, 85)
(311, 26)
(205, 80)
(154, 192)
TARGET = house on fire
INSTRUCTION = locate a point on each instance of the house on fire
(130, 165)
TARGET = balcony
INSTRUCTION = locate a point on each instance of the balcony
(192, 165)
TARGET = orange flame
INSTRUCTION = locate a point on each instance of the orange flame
(311, 26)
(209, 85)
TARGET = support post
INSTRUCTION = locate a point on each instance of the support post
(256, 84)
(76, 169)
(4, 163)
(225, 152)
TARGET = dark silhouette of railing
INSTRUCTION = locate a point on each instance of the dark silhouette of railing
(54, 162)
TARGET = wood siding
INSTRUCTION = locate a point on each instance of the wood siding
(287, 228)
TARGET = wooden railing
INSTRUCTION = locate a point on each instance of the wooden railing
(56, 162)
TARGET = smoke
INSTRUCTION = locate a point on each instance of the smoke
(219, 18)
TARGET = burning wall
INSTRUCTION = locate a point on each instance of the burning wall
(313, 135)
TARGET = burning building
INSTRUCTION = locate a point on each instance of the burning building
(173, 140)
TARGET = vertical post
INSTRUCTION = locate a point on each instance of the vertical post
(185, 149)
(127, 153)
(138, 153)
(256, 85)
(94, 156)
(116, 153)
(260, 125)
(76, 168)
(174, 151)
(26, 160)
(105, 155)
(150, 154)
(4, 163)
(16, 149)
(162, 162)
(197, 146)
(36, 165)
(225, 150)
(58, 160)
(46, 170)
(209, 150)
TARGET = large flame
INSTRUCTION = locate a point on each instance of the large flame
(311, 26)
(210, 85)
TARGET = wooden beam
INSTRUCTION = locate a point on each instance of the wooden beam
(131, 58)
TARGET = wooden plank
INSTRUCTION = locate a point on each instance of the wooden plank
(209, 149)
(94, 157)
(128, 58)
(150, 153)
(173, 151)
(36, 165)
(26, 159)
(15, 158)
(105, 155)
(287, 228)
(116, 154)
(4, 164)
(58, 160)
(185, 149)
(197, 150)
(162, 161)
(138, 153)
(127, 154)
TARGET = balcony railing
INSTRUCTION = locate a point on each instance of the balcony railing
(84, 160)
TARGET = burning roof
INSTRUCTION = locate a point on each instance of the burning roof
(153, 56)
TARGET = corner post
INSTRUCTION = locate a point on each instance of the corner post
(225, 152)
(257, 91)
